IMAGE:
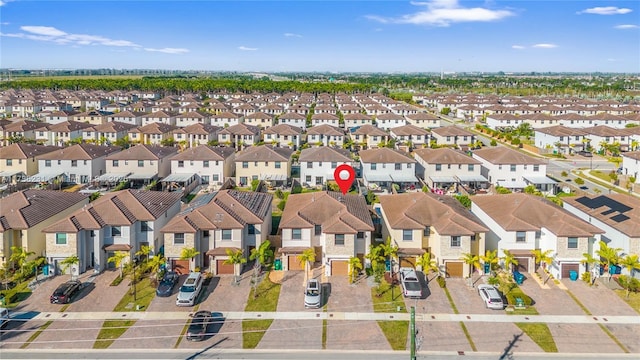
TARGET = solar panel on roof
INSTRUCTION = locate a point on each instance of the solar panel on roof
(201, 201)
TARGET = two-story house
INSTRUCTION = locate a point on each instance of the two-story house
(196, 134)
(318, 164)
(152, 134)
(368, 137)
(127, 117)
(602, 136)
(226, 118)
(521, 223)
(212, 164)
(410, 136)
(421, 222)
(107, 133)
(239, 136)
(264, 162)
(383, 166)
(140, 164)
(325, 119)
(630, 164)
(20, 159)
(354, 120)
(293, 119)
(325, 135)
(163, 117)
(423, 120)
(225, 220)
(453, 136)
(259, 119)
(64, 132)
(562, 139)
(390, 120)
(24, 214)
(117, 221)
(80, 163)
(337, 226)
(443, 168)
(192, 118)
(283, 135)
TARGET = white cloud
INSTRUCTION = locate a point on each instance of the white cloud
(518, 47)
(545, 46)
(43, 30)
(168, 50)
(626, 26)
(611, 60)
(292, 35)
(606, 10)
(5, 23)
(444, 13)
(244, 48)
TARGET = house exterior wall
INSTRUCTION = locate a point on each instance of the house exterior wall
(81, 174)
(257, 169)
(340, 251)
(217, 171)
(495, 173)
(28, 166)
(161, 166)
(324, 170)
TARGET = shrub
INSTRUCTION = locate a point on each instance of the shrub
(493, 142)
(281, 205)
(94, 196)
(564, 174)
(441, 281)
(502, 190)
(254, 184)
(586, 277)
(464, 200)
(425, 189)
(297, 189)
(279, 194)
(579, 181)
(511, 297)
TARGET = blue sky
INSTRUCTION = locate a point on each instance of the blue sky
(366, 36)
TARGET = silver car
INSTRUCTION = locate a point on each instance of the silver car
(313, 294)
(491, 297)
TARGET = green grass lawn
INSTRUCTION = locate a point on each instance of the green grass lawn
(396, 332)
(540, 334)
(113, 329)
(633, 300)
(13, 297)
(267, 300)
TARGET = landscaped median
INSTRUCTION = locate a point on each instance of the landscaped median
(263, 297)
(396, 331)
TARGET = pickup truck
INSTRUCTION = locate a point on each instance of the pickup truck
(411, 286)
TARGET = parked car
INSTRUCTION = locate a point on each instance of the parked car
(585, 153)
(4, 316)
(491, 297)
(168, 282)
(64, 292)
(313, 294)
(190, 290)
(411, 286)
(198, 326)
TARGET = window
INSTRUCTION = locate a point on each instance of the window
(116, 231)
(245, 164)
(226, 234)
(180, 163)
(251, 229)
(536, 168)
(144, 226)
(266, 163)
(309, 165)
(407, 235)
(115, 163)
(538, 234)
(278, 164)
(317, 229)
(216, 177)
(140, 163)
(513, 168)
(59, 162)
(334, 165)
(455, 241)
(398, 166)
(178, 239)
(572, 243)
(61, 239)
(374, 166)
(205, 163)
(296, 234)
(438, 167)
(521, 236)
(205, 233)
(307, 179)
(74, 163)
(9, 162)
(360, 235)
(47, 163)
(339, 239)
(470, 167)
(409, 165)
(426, 231)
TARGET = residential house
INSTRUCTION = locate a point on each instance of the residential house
(24, 214)
(618, 215)
(26, 129)
(80, 163)
(64, 132)
(421, 223)
(368, 137)
(423, 120)
(383, 166)
(58, 116)
(283, 135)
(410, 136)
(20, 160)
(227, 220)
(239, 136)
(212, 164)
(325, 119)
(152, 134)
(140, 164)
(325, 135)
(390, 120)
(521, 223)
(192, 118)
(514, 170)
(196, 134)
(107, 133)
(264, 162)
(602, 136)
(259, 119)
(226, 118)
(163, 117)
(317, 165)
(562, 139)
(453, 135)
(630, 164)
(355, 120)
(93, 117)
(293, 119)
(127, 117)
(503, 121)
(124, 220)
(446, 168)
(338, 227)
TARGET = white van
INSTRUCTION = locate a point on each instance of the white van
(4, 317)
(190, 290)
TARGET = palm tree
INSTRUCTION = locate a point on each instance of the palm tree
(634, 145)
(189, 253)
(589, 261)
(390, 251)
(235, 258)
(491, 258)
(154, 264)
(68, 262)
(376, 257)
(610, 255)
(118, 260)
(262, 253)
(628, 283)
(355, 266)
(543, 258)
(307, 257)
(19, 256)
(509, 261)
(631, 263)
(428, 264)
(144, 251)
(473, 261)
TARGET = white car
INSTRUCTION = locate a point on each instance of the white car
(410, 283)
(190, 290)
(491, 297)
(313, 294)
(4, 316)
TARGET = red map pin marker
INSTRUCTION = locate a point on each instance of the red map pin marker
(344, 176)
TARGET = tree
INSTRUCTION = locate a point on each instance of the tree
(355, 266)
(543, 258)
(123, 142)
(631, 263)
(19, 256)
(589, 261)
(608, 254)
(509, 260)
(189, 253)
(428, 264)
(390, 251)
(376, 258)
(144, 251)
(491, 258)
(118, 260)
(629, 284)
(307, 257)
(474, 263)
(262, 253)
(68, 262)
(235, 258)
(154, 264)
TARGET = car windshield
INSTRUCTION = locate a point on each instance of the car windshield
(495, 300)
(313, 292)
(165, 282)
(187, 288)
(59, 291)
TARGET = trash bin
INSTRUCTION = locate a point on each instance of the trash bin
(387, 265)
(518, 277)
(45, 270)
(573, 275)
(277, 264)
(487, 268)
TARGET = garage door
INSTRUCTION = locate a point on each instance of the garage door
(339, 267)
(566, 268)
(409, 261)
(454, 269)
(523, 264)
(294, 263)
(180, 266)
(223, 269)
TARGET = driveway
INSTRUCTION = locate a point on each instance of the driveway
(552, 301)
(293, 334)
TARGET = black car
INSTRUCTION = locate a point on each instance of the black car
(198, 326)
(64, 292)
(168, 282)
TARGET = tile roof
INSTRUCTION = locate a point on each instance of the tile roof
(324, 153)
(205, 152)
(25, 151)
(384, 155)
(524, 212)
(445, 156)
(144, 152)
(154, 128)
(283, 129)
(408, 130)
(27, 208)
(264, 153)
(81, 152)
(561, 130)
(620, 211)
(241, 129)
(451, 131)
(325, 129)
(202, 129)
(335, 212)
(417, 210)
(69, 125)
(113, 126)
(502, 155)
(369, 130)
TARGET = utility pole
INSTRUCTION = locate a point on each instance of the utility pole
(412, 331)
